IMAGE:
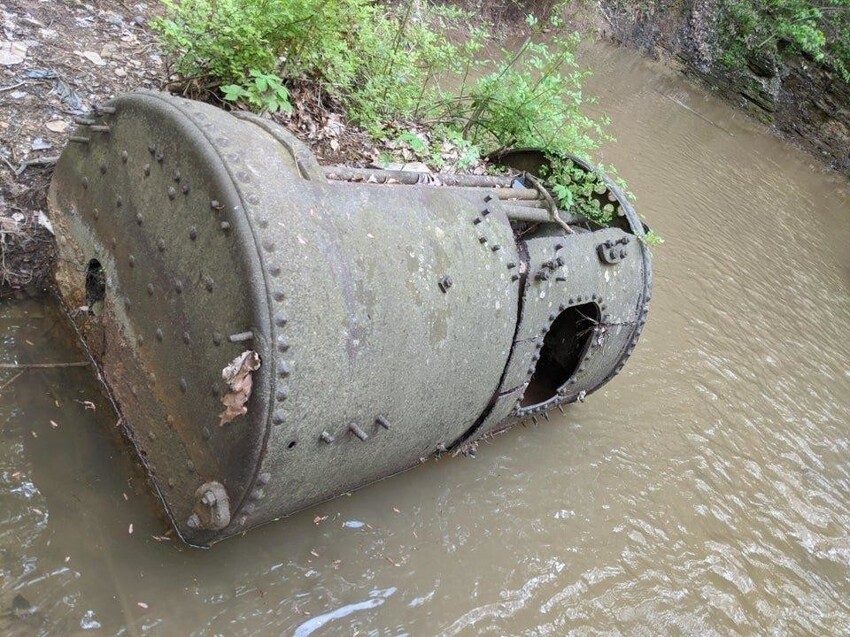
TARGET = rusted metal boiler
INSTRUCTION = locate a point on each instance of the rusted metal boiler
(276, 333)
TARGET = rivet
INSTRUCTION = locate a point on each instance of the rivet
(139, 218)
(476, 221)
(147, 170)
(279, 296)
(552, 317)
(263, 223)
(150, 289)
(208, 283)
(187, 338)
(283, 369)
(511, 265)
(151, 148)
(274, 270)
(177, 175)
(280, 320)
(190, 465)
(113, 242)
(530, 370)
(119, 202)
(278, 418)
(79, 140)
(357, 431)
(482, 239)
(140, 340)
(159, 335)
(225, 225)
(186, 188)
(558, 246)
(184, 386)
(215, 391)
(263, 478)
(193, 233)
(578, 299)
(488, 198)
(326, 438)
(217, 339)
(169, 420)
(151, 434)
(257, 494)
(124, 156)
(160, 244)
(282, 343)
(382, 422)
(96, 213)
(178, 287)
(485, 212)
(562, 307)
(85, 182)
(496, 248)
(215, 205)
(253, 199)
(514, 277)
(158, 156)
(172, 192)
(282, 393)
(268, 246)
(132, 261)
(171, 483)
(571, 301)
(102, 169)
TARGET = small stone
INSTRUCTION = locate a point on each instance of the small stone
(57, 126)
(94, 58)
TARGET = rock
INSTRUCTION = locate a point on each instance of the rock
(40, 144)
(94, 58)
(57, 126)
(139, 21)
(12, 53)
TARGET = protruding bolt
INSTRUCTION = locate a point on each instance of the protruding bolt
(357, 431)
(208, 498)
(476, 221)
(99, 129)
(441, 448)
(194, 522)
(241, 337)
(511, 265)
(488, 198)
(77, 139)
(485, 212)
(382, 422)
(496, 248)
(327, 438)
(482, 239)
(263, 478)
(445, 283)
(216, 205)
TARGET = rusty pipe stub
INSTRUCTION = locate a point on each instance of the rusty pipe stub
(274, 339)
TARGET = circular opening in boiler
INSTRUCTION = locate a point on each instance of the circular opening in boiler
(563, 349)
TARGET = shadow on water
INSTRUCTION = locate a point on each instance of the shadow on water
(703, 491)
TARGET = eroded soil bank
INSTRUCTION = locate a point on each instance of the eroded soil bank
(802, 100)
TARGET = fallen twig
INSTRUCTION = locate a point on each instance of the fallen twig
(40, 161)
(12, 380)
(26, 366)
(9, 88)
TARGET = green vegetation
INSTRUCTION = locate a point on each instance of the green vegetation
(393, 69)
(819, 29)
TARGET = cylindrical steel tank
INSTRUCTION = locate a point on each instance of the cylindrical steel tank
(369, 319)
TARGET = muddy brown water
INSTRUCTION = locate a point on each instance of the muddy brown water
(706, 490)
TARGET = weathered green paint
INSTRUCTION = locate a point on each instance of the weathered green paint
(387, 318)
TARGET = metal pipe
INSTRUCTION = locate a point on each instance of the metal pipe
(411, 178)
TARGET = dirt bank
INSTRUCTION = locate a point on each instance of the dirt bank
(801, 99)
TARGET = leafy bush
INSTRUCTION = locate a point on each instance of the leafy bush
(818, 29)
(389, 67)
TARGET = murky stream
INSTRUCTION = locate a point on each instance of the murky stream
(706, 490)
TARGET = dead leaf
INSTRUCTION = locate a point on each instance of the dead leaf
(57, 126)
(237, 375)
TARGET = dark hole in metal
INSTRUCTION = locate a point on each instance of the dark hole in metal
(291, 444)
(95, 283)
(563, 348)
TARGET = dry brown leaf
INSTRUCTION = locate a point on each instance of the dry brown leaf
(237, 375)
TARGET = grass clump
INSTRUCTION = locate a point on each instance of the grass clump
(397, 69)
